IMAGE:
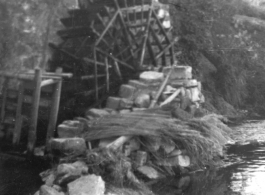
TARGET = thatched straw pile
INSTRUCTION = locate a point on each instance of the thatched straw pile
(203, 138)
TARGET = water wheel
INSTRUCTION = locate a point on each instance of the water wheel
(106, 42)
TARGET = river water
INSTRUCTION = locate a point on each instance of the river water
(19, 177)
(243, 175)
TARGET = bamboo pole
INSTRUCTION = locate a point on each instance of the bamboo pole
(19, 117)
(171, 98)
(107, 74)
(117, 69)
(56, 96)
(145, 37)
(34, 112)
(96, 74)
(162, 87)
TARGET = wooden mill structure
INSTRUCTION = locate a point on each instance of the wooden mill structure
(106, 42)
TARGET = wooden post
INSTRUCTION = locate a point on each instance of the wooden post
(34, 112)
(56, 96)
(19, 117)
(107, 73)
(4, 94)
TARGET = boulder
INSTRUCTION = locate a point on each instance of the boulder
(149, 172)
(69, 172)
(179, 72)
(151, 77)
(168, 146)
(191, 83)
(195, 94)
(142, 100)
(87, 185)
(127, 91)
(70, 128)
(104, 142)
(179, 160)
(68, 145)
(125, 111)
(113, 103)
(185, 102)
(46, 190)
(125, 103)
(137, 84)
(37, 193)
(97, 113)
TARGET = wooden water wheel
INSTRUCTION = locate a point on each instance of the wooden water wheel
(106, 42)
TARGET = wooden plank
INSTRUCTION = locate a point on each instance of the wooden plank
(166, 48)
(19, 117)
(29, 85)
(54, 108)
(87, 77)
(75, 32)
(34, 113)
(4, 95)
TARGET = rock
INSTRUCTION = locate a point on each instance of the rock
(175, 152)
(134, 145)
(104, 142)
(195, 94)
(68, 145)
(179, 72)
(151, 77)
(113, 103)
(181, 160)
(125, 104)
(138, 109)
(97, 113)
(137, 84)
(185, 102)
(69, 172)
(192, 109)
(46, 190)
(125, 111)
(142, 100)
(199, 86)
(70, 129)
(149, 172)
(50, 180)
(39, 151)
(181, 114)
(87, 185)
(168, 146)
(127, 91)
(202, 98)
(191, 83)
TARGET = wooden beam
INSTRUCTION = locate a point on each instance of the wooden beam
(56, 96)
(19, 116)
(32, 134)
(4, 95)
(95, 74)
(48, 82)
(117, 70)
(87, 77)
(166, 48)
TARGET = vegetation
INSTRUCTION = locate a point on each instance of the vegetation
(234, 50)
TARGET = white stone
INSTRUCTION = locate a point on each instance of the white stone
(68, 131)
(87, 185)
(195, 94)
(46, 190)
(113, 103)
(191, 83)
(149, 172)
(151, 77)
(179, 72)
(68, 145)
(142, 100)
(97, 113)
(127, 91)
(104, 142)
